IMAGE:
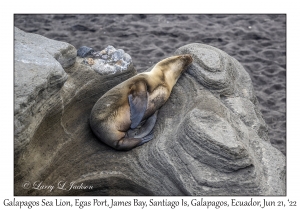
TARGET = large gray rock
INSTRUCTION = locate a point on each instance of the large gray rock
(210, 138)
(39, 75)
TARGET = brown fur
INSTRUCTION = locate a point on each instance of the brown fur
(110, 116)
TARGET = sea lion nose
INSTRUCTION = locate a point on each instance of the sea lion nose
(188, 58)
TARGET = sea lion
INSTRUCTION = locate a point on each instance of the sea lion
(124, 117)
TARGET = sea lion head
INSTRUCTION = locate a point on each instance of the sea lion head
(174, 66)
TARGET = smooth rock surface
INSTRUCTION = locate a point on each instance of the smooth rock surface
(210, 138)
(39, 75)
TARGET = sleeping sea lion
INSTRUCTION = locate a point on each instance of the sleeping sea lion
(124, 117)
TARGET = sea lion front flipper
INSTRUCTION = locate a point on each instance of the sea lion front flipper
(138, 101)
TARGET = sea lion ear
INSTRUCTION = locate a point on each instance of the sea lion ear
(138, 101)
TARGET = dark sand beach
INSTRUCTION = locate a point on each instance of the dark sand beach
(257, 41)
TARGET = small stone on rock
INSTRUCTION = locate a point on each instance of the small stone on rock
(110, 50)
(117, 55)
(91, 61)
(84, 51)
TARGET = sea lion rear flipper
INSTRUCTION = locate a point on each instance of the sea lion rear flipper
(138, 101)
(128, 143)
(146, 138)
(145, 129)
